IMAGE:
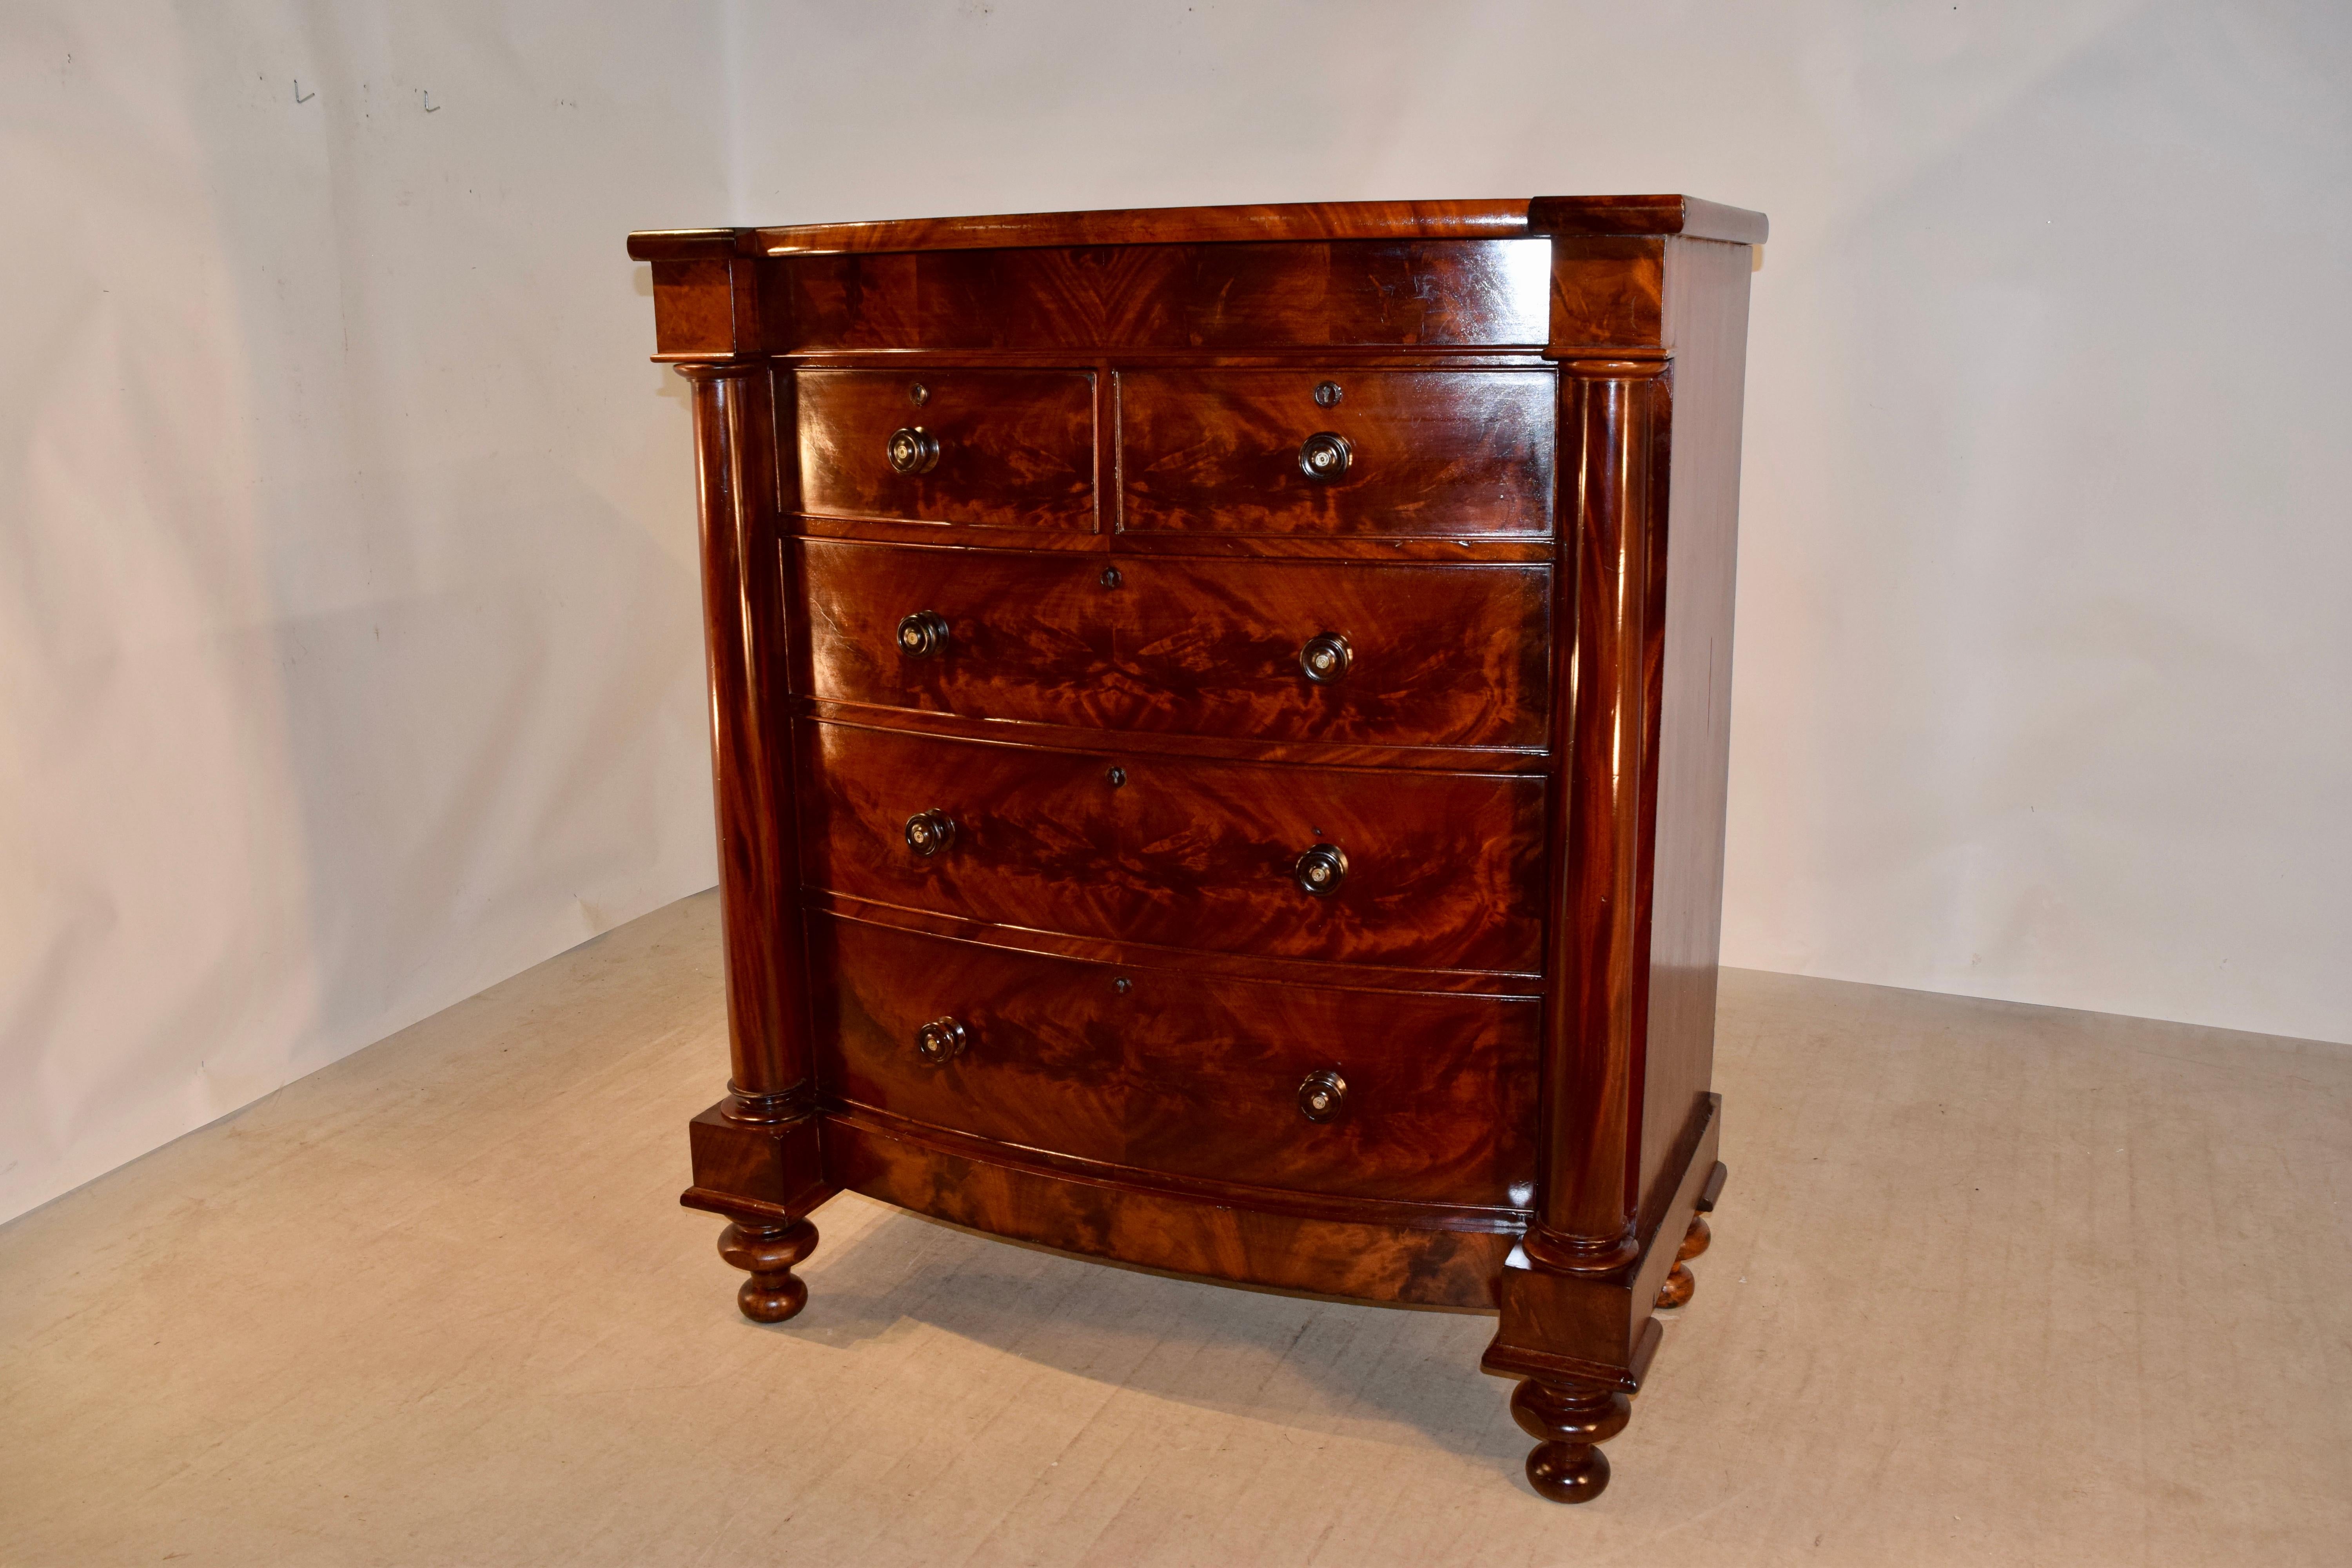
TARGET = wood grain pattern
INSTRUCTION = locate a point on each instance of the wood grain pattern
(1016, 447)
(1442, 656)
(743, 625)
(1586, 1209)
(1455, 453)
(694, 308)
(1122, 953)
(1690, 637)
(1185, 298)
(1159, 1230)
(1444, 870)
(1608, 296)
(1185, 1076)
(1287, 223)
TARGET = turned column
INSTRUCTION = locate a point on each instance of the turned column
(749, 749)
(760, 1141)
(1585, 1174)
(1562, 1308)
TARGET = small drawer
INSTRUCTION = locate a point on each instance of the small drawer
(1343, 865)
(1424, 655)
(1382, 452)
(1028, 635)
(981, 447)
(1194, 1076)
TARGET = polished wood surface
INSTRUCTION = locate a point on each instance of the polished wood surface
(1690, 636)
(1444, 871)
(1585, 1221)
(1442, 656)
(1451, 453)
(1220, 732)
(1161, 1071)
(744, 628)
(768, 1252)
(1149, 1226)
(1569, 1420)
(1286, 223)
(1175, 298)
(1015, 449)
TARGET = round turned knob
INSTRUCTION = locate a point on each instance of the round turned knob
(913, 450)
(1323, 456)
(1323, 1094)
(941, 1041)
(1325, 658)
(1321, 869)
(930, 832)
(923, 635)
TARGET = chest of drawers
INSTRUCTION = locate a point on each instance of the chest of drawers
(1219, 722)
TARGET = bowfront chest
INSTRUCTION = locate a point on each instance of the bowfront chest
(1219, 720)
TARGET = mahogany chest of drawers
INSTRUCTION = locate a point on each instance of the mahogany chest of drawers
(1219, 720)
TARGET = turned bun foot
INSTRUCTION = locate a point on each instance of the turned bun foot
(1568, 1472)
(1568, 1466)
(767, 1252)
(1680, 1283)
(1677, 1289)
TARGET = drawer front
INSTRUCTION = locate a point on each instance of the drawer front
(1453, 454)
(1192, 1075)
(1029, 636)
(991, 448)
(1436, 655)
(1441, 870)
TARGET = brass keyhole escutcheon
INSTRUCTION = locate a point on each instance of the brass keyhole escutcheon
(1328, 394)
(919, 394)
(1111, 578)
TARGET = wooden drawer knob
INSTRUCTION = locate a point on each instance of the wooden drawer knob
(929, 832)
(1324, 658)
(941, 1041)
(913, 450)
(1323, 1094)
(1323, 456)
(1321, 869)
(923, 635)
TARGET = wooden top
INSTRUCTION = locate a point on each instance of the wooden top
(1511, 219)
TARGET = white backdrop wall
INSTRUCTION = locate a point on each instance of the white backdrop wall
(2043, 688)
(348, 658)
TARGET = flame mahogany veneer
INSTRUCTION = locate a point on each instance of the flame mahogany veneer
(1219, 725)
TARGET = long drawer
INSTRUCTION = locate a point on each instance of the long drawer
(1431, 1097)
(1422, 655)
(1423, 869)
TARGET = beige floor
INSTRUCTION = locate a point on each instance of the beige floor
(1991, 1285)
